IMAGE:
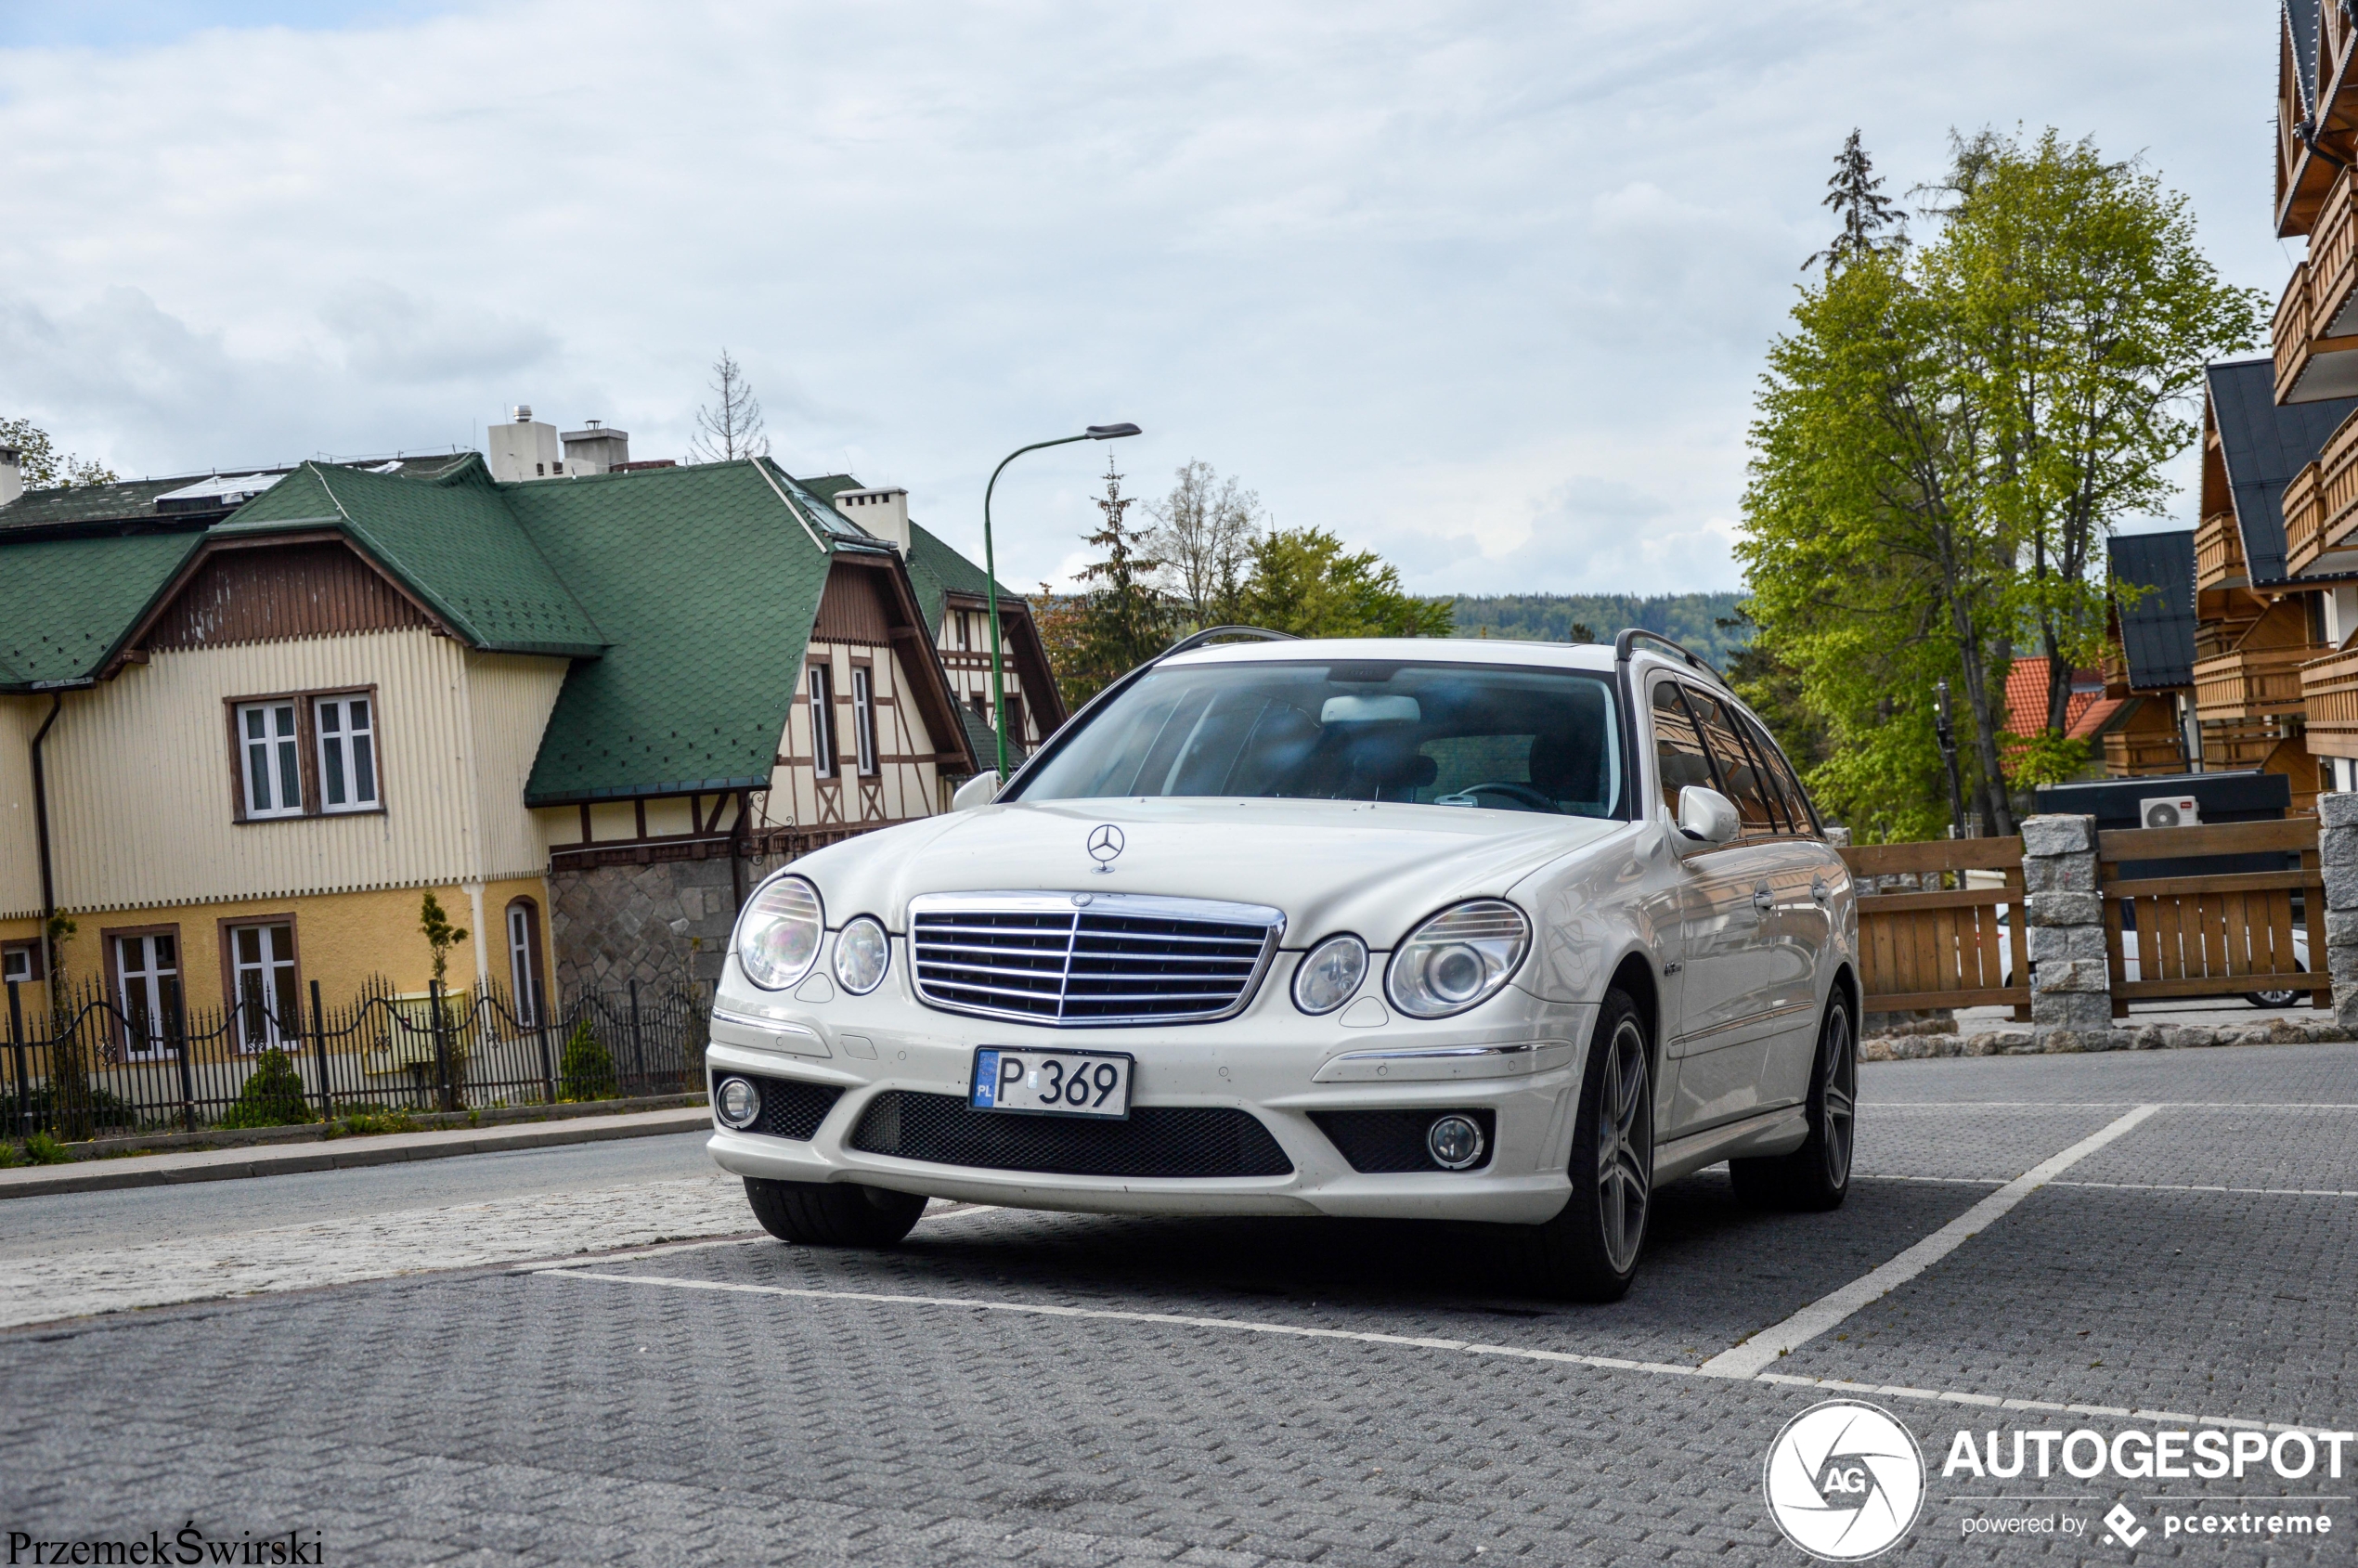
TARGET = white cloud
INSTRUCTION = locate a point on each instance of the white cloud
(1485, 287)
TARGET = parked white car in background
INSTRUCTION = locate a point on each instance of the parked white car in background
(1467, 930)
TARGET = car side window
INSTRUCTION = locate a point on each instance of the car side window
(1740, 773)
(1780, 774)
(1680, 758)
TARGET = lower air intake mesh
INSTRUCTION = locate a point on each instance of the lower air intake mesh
(788, 1109)
(1156, 1141)
(1378, 1141)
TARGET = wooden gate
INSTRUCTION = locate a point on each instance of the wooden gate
(2218, 934)
(1942, 946)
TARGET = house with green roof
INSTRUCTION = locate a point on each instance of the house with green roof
(953, 592)
(247, 720)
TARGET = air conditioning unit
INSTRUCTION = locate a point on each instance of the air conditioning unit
(2170, 810)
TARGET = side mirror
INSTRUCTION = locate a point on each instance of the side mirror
(1706, 818)
(981, 790)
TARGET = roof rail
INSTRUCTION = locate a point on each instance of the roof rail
(1620, 651)
(1198, 639)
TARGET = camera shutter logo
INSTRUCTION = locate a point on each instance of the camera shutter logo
(1104, 843)
(1844, 1480)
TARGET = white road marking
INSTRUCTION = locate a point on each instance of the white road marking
(1407, 1341)
(2127, 1186)
(2108, 1104)
(1760, 1352)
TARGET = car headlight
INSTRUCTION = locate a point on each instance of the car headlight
(861, 954)
(778, 935)
(1329, 974)
(1458, 958)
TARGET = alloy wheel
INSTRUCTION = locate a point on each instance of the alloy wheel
(1839, 1072)
(1624, 1145)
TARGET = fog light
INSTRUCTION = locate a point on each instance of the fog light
(737, 1102)
(1455, 1142)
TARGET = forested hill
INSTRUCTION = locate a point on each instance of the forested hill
(1692, 618)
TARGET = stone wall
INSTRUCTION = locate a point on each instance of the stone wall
(665, 923)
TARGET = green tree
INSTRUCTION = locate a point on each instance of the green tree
(1943, 438)
(43, 466)
(1303, 582)
(441, 936)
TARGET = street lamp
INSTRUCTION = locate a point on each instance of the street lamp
(1945, 732)
(991, 573)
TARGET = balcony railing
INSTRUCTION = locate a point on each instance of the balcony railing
(2321, 508)
(2304, 521)
(2219, 553)
(2329, 693)
(2251, 682)
(2315, 329)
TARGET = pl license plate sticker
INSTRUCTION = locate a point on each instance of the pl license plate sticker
(1052, 1083)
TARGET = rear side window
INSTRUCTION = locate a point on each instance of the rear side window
(1742, 777)
(1780, 774)
(1680, 758)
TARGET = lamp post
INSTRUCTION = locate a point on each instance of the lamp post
(991, 573)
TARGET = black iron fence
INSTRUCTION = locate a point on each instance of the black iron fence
(95, 1064)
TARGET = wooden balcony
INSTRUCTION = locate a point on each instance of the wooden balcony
(2315, 329)
(2219, 554)
(2329, 693)
(2136, 754)
(2250, 682)
(2321, 509)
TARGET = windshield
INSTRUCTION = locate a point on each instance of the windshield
(1439, 734)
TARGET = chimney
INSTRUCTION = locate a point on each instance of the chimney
(11, 475)
(596, 449)
(524, 448)
(883, 512)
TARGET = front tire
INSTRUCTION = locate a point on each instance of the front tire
(1817, 1176)
(1588, 1252)
(832, 1214)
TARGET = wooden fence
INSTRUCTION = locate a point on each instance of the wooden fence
(2220, 934)
(1942, 945)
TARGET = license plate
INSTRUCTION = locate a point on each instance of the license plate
(1052, 1083)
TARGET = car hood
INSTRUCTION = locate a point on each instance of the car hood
(1376, 869)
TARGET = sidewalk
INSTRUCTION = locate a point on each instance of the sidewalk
(346, 1153)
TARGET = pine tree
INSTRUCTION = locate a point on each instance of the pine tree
(1123, 619)
(730, 428)
(1872, 221)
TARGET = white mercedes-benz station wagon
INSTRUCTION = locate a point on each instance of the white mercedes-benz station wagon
(1487, 931)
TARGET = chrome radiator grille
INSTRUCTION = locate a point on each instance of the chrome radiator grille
(1084, 960)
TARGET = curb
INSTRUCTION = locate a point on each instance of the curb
(393, 1149)
(2066, 1042)
(317, 1132)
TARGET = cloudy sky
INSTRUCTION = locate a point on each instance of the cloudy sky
(1484, 287)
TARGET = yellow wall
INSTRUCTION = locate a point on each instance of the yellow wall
(344, 941)
(141, 788)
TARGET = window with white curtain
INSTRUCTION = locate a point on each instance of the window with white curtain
(270, 759)
(822, 721)
(348, 754)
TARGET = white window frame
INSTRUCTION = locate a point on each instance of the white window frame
(822, 720)
(149, 976)
(863, 718)
(346, 750)
(16, 963)
(264, 1029)
(520, 962)
(279, 755)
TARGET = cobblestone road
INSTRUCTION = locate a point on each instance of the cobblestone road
(1027, 1388)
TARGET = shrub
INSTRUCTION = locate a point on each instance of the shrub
(10, 1155)
(273, 1095)
(42, 1150)
(587, 1070)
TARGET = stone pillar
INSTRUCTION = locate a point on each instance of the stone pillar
(2338, 860)
(2070, 979)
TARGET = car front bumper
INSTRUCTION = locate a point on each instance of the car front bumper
(1516, 1056)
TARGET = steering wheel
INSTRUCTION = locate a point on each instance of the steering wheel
(1522, 795)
